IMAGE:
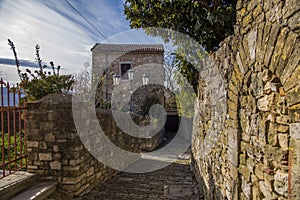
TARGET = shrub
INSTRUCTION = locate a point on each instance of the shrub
(148, 102)
(40, 82)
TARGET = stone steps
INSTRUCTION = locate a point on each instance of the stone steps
(38, 191)
(22, 186)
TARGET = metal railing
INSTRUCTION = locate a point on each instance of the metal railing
(12, 130)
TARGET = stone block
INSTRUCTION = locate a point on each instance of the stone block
(295, 131)
(57, 156)
(247, 189)
(61, 140)
(257, 11)
(245, 172)
(252, 37)
(32, 144)
(90, 171)
(283, 129)
(250, 164)
(232, 156)
(243, 159)
(256, 194)
(55, 165)
(254, 180)
(281, 183)
(51, 115)
(232, 135)
(283, 141)
(251, 5)
(273, 153)
(35, 135)
(38, 162)
(295, 159)
(267, 191)
(232, 106)
(241, 68)
(234, 173)
(71, 168)
(32, 167)
(32, 156)
(70, 189)
(270, 87)
(82, 189)
(45, 156)
(294, 113)
(231, 123)
(272, 134)
(263, 103)
(259, 171)
(295, 184)
(71, 180)
(271, 43)
(283, 119)
(49, 137)
(269, 179)
(294, 94)
(55, 148)
(43, 145)
(291, 83)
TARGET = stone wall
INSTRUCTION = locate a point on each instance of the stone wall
(56, 151)
(141, 94)
(246, 133)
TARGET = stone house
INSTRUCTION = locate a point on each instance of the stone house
(111, 59)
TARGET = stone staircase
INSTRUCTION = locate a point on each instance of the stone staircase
(25, 186)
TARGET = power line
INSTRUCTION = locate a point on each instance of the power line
(86, 19)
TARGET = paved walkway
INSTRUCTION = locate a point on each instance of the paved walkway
(172, 182)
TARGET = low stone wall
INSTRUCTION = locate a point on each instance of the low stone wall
(56, 152)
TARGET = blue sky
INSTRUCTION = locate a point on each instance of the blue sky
(63, 35)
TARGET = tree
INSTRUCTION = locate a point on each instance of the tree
(175, 67)
(39, 83)
(206, 21)
(170, 69)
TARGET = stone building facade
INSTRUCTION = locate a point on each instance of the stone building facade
(246, 139)
(110, 59)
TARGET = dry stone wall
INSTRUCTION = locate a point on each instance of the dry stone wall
(246, 146)
(56, 151)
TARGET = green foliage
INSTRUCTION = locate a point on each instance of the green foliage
(148, 102)
(100, 96)
(185, 97)
(39, 83)
(188, 71)
(206, 21)
(11, 150)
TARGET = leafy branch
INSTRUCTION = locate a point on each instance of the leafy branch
(41, 82)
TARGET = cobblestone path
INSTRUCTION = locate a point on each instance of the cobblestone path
(172, 182)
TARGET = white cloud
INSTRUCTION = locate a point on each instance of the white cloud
(30, 22)
(9, 73)
(63, 35)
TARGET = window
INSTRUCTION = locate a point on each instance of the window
(124, 68)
